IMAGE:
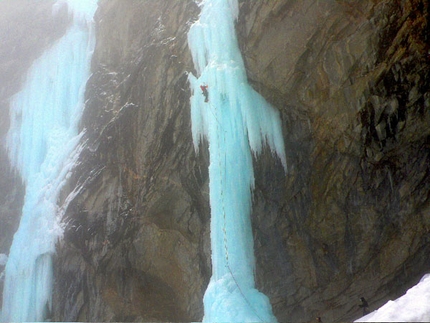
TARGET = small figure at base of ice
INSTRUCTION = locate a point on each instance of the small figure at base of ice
(414, 306)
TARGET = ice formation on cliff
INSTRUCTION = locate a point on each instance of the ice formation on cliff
(42, 145)
(237, 122)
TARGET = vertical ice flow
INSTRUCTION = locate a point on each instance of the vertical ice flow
(42, 145)
(236, 121)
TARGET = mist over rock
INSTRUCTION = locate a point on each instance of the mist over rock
(350, 218)
(26, 29)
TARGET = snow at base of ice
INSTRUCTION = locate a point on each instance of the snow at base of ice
(414, 306)
(237, 122)
(42, 146)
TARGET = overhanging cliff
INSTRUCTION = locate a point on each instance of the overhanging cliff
(351, 79)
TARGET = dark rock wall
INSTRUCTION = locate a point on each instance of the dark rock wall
(351, 80)
(136, 244)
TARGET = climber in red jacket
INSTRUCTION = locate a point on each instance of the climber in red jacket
(205, 92)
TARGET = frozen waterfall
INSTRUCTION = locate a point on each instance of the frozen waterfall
(236, 121)
(42, 143)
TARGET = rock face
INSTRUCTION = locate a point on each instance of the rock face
(134, 247)
(351, 79)
(351, 217)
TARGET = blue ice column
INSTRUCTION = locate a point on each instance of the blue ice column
(42, 143)
(236, 122)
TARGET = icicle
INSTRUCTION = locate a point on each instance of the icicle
(236, 121)
(42, 136)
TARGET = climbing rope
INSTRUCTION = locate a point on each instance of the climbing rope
(224, 229)
(211, 110)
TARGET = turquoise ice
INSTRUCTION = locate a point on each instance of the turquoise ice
(42, 143)
(236, 122)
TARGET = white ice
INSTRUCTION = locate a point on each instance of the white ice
(414, 306)
(42, 138)
(236, 122)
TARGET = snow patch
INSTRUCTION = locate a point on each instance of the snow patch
(414, 306)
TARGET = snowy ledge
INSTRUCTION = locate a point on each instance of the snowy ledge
(414, 306)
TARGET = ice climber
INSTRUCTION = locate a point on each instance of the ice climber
(205, 92)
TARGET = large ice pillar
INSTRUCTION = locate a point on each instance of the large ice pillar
(236, 122)
(42, 144)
